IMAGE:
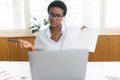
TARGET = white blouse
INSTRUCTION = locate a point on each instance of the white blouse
(44, 42)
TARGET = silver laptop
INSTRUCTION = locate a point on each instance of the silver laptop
(58, 64)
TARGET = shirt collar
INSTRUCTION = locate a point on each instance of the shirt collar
(49, 34)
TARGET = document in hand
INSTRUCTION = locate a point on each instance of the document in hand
(82, 39)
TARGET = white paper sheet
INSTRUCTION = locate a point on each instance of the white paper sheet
(82, 39)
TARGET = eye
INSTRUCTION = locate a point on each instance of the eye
(58, 15)
(51, 15)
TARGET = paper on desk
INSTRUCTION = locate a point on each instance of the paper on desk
(82, 39)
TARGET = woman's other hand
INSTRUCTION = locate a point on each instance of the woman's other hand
(25, 44)
(83, 27)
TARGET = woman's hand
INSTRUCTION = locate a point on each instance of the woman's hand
(83, 27)
(25, 44)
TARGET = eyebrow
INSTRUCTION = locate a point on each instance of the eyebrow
(55, 14)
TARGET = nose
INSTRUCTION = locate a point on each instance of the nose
(54, 18)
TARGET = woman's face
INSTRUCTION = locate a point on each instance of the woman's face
(55, 16)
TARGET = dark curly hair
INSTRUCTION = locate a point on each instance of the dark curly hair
(59, 4)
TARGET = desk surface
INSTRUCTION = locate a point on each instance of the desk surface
(103, 71)
(14, 71)
(95, 70)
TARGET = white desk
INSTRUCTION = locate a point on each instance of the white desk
(95, 70)
(103, 71)
(14, 71)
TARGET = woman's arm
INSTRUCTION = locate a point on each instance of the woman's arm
(25, 44)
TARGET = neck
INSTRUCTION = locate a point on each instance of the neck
(55, 29)
(56, 33)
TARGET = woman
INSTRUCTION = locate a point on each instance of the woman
(51, 38)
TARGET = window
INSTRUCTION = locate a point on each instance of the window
(14, 15)
(83, 12)
(112, 13)
(80, 12)
(38, 9)
(74, 13)
(103, 14)
(110, 16)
